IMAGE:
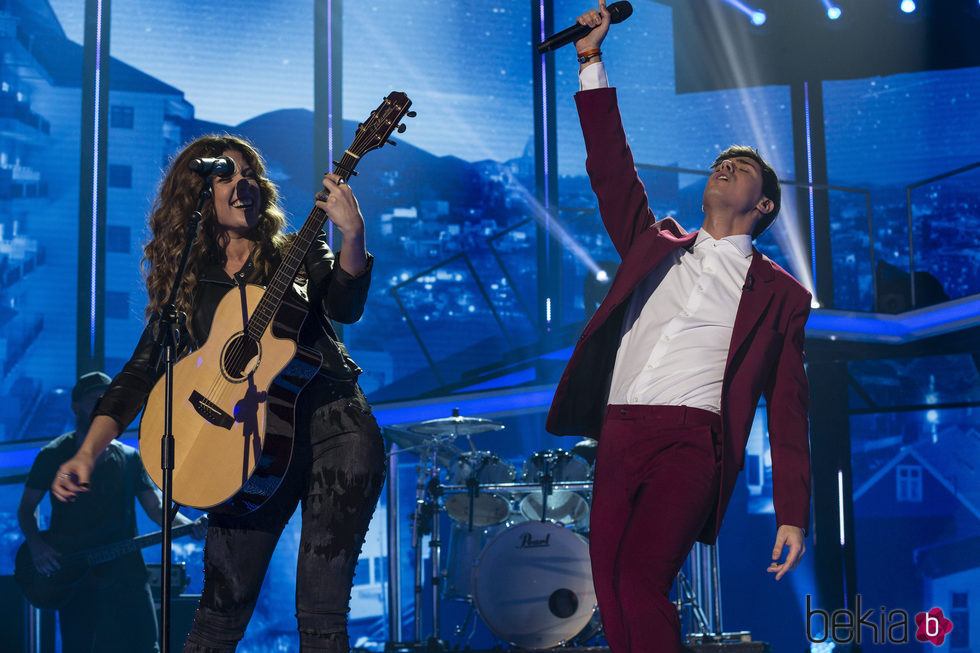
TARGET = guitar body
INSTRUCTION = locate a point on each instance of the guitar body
(48, 592)
(234, 409)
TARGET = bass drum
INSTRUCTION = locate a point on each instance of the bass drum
(532, 585)
(464, 548)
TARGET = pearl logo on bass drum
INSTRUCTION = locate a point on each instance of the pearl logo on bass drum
(527, 541)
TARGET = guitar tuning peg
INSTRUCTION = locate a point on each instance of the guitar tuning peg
(401, 129)
(411, 114)
(391, 142)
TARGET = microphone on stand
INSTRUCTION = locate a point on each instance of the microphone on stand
(618, 12)
(223, 166)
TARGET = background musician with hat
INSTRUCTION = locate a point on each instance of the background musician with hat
(112, 608)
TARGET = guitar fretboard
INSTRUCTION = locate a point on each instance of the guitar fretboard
(117, 549)
(265, 310)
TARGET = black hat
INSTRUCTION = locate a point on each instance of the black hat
(88, 383)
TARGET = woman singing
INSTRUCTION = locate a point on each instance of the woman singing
(338, 462)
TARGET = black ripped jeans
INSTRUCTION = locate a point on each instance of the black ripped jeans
(336, 473)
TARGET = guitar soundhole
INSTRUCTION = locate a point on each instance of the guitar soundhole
(240, 357)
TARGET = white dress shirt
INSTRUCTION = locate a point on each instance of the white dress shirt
(678, 327)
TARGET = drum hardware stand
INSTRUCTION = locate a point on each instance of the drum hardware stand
(458, 630)
(547, 486)
(473, 490)
(394, 550)
(687, 599)
(472, 483)
(425, 521)
(435, 545)
(427, 439)
(707, 585)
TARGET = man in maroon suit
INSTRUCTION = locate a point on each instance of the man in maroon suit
(667, 375)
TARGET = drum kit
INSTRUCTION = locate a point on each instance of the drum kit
(518, 550)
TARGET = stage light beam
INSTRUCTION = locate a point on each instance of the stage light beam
(789, 238)
(907, 6)
(833, 13)
(757, 16)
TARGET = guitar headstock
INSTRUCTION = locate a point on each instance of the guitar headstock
(373, 133)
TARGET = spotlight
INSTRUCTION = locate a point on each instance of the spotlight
(597, 283)
(758, 17)
(833, 13)
(907, 6)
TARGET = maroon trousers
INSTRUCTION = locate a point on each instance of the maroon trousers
(657, 472)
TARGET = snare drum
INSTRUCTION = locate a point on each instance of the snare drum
(564, 506)
(532, 585)
(489, 508)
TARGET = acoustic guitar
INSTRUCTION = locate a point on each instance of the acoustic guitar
(235, 397)
(78, 568)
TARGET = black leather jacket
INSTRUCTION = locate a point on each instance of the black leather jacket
(329, 291)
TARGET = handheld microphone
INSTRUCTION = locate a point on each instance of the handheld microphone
(618, 12)
(223, 166)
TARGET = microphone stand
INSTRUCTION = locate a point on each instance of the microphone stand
(167, 339)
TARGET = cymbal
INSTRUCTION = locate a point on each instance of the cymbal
(423, 445)
(455, 425)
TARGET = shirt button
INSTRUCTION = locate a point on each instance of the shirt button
(708, 269)
(685, 314)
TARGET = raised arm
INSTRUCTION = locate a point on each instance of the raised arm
(340, 283)
(622, 198)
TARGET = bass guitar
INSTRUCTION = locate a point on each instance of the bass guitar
(78, 568)
(235, 397)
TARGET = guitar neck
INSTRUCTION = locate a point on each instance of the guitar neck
(371, 135)
(281, 280)
(109, 552)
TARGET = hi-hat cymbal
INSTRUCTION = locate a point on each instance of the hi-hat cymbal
(455, 425)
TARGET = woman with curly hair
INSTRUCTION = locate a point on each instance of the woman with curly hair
(337, 466)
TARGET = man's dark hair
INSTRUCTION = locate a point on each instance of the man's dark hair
(770, 183)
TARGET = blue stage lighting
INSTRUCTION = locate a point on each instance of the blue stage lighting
(758, 18)
(908, 6)
(833, 13)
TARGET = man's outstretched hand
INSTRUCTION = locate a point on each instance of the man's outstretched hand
(791, 537)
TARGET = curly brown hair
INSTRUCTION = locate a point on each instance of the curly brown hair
(177, 199)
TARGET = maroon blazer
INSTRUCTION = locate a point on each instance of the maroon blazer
(766, 351)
